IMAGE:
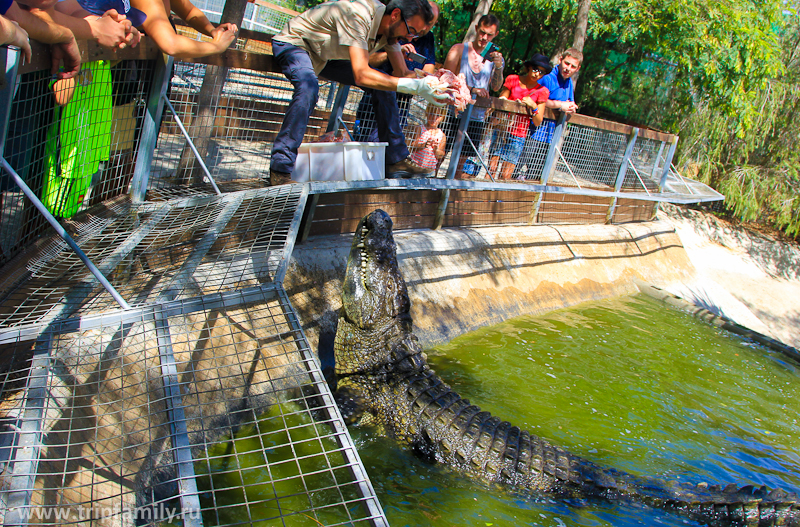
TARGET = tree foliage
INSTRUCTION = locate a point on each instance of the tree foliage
(723, 74)
(759, 170)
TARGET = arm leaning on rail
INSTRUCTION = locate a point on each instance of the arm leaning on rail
(158, 27)
(111, 30)
(41, 26)
(12, 34)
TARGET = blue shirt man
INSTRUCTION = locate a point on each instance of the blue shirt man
(559, 82)
(562, 92)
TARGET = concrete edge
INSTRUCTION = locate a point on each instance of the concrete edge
(714, 319)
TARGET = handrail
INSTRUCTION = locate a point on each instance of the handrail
(40, 56)
(574, 119)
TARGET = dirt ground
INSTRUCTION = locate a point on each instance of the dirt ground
(745, 276)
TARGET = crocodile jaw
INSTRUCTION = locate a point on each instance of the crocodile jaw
(374, 290)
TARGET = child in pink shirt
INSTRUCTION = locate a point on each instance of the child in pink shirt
(428, 141)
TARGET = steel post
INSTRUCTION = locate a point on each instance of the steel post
(623, 169)
(667, 164)
(338, 107)
(150, 125)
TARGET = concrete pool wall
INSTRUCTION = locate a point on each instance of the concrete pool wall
(462, 279)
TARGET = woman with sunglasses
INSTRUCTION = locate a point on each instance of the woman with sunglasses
(526, 89)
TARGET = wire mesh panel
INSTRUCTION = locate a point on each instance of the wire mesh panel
(593, 155)
(155, 252)
(208, 411)
(269, 17)
(73, 142)
(233, 116)
(645, 162)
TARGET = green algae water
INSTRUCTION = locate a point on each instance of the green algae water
(627, 383)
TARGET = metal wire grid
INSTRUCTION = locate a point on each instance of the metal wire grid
(502, 128)
(209, 411)
(264, 18)
(258, 16)
(593, 155)
(156, 252)
(646, 164)
(676, 184)
(358, 109)
(233, 129)
(51, 154)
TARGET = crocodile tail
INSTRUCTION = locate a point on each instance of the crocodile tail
(451, 430)
(444, 427)
(748, 505)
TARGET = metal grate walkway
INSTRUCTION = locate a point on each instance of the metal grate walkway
(202, 404)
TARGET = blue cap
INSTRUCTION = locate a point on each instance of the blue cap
(123, 7)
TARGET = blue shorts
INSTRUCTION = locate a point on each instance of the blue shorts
(510, 150)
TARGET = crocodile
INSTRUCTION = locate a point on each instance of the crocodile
(383, 380)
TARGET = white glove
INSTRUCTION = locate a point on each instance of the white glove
(424, 88)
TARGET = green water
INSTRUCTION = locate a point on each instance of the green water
(627, 383)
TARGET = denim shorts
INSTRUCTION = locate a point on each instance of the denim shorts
(510, 150)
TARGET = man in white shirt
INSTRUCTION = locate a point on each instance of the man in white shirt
(480, 74)
(334, 40)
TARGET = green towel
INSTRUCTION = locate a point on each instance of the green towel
(78, 140)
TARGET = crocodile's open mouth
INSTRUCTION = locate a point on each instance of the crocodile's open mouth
(363, 254)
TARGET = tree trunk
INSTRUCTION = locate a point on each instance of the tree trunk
(580, 31)
(484, 6)
(562, 42)
(202, 124)
(582, 23)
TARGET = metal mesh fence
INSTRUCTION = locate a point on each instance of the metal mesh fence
(267, 17)
(209, 411)
(155, 252)
(593, 155)
(233, 116)
(74, 144)
(646, 165)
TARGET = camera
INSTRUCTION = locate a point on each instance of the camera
(416, 57)
(488, 49)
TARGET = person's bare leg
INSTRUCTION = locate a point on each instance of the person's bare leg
(507, 170)
(493, 161)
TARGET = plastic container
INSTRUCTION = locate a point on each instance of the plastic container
(349, 161)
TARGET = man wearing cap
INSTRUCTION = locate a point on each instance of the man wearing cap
(334, 40)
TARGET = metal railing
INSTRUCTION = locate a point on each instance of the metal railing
(185, 390)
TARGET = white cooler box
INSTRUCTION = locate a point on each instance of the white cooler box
(349, 161)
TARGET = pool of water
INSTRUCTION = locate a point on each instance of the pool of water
(627, 383)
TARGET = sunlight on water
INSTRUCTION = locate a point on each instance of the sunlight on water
(626, 382)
